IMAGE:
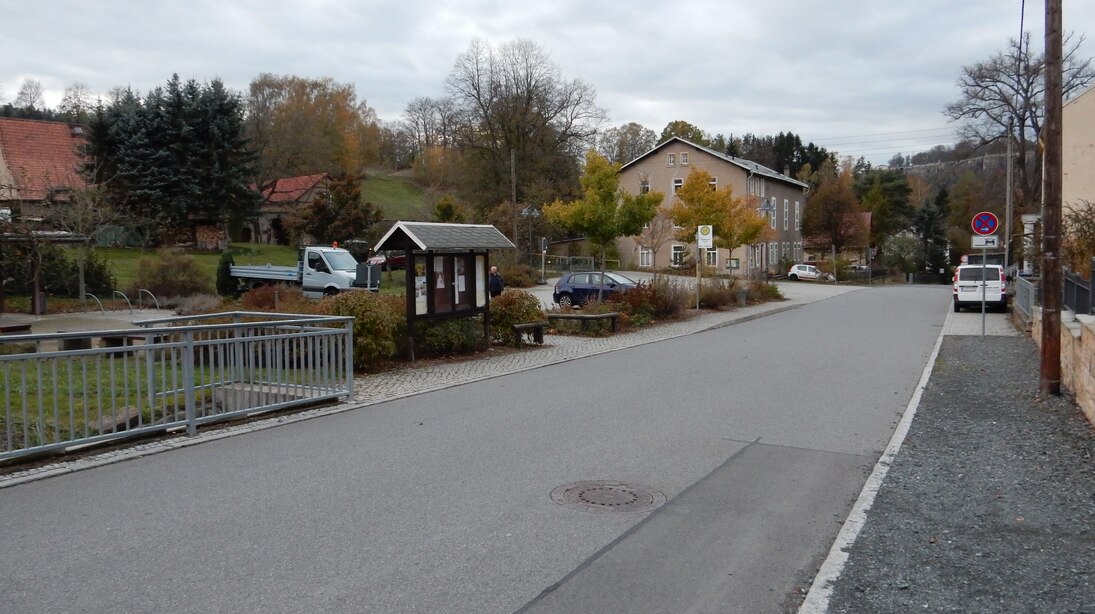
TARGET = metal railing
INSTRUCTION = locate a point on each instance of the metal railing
(1076, 293)
(1026, 296)
(60, 391)
(562, 264)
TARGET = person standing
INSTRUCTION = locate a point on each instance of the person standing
(496, 284)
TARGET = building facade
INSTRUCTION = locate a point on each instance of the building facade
(1078, 155)
(779, 198)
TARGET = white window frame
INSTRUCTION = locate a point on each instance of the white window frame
(644, 186)
(711, 257)
(677, 184)
(671, 160)
(786, 212)
(772, 217)
(676, 254)
(646, 258)
(684, 158)
(773, 253)
(798, 216)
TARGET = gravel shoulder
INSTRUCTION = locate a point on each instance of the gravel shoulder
(990, 504)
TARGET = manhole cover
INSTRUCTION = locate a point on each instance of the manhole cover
(605, 496)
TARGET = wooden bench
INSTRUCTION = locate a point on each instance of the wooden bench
(586, 318)
(536, 329)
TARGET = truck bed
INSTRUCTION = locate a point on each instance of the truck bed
(267, 271)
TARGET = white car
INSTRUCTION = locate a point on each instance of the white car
(807, 271)
(971, 282)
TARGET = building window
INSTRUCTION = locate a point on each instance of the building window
(786, 211)
(772, 216)
(646, 258)
(711, 257)
(733, 263)
(677, 258)
(786, 252)
(677, 184)
(644, 186)
(714, 183)
(684, 159)
(672, 160)
(773, 255)
(798, 216)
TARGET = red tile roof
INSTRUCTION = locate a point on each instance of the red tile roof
(292, 189)
(39, 157)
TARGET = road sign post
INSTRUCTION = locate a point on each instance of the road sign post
(984, 224)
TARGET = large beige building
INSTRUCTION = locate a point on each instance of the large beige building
(1078, 141)
(779, 198)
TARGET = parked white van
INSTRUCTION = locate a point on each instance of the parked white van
(972, 281)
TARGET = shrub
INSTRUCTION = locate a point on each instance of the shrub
(226, 284)
(286, 299)
(718, 293)
(195, 304)
(671, 298)
(517, 275)
(639, 301)
(448, 337)
(58, 274)
(171, 273)
(763, 291)
(512, 307)
(378, 322)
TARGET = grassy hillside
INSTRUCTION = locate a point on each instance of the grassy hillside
(399, 197)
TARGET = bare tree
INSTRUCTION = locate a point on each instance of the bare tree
(655, 234)
(1005, 95)
(30, 95)
(624, 144)
(77, 103)
(84, 213)
(515, 106)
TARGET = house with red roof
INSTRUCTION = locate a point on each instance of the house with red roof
(283, 202)
(39, 163)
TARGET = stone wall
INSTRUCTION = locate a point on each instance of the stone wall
(1077, 356)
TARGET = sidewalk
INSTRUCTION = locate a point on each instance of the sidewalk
(987, 506)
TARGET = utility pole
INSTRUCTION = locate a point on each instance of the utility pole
(1009, 207)
(513, 195)
(1050, 380)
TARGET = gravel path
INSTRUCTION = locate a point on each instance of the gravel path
(990, 504)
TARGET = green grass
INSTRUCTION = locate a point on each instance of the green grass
(398, 197)
(124, 262)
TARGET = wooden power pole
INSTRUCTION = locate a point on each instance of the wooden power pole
(1050, 380)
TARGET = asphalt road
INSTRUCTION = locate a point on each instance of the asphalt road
(760, 435)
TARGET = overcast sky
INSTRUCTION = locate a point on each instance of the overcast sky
(860, 77)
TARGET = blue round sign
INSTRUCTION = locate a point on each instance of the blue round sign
(985, 223)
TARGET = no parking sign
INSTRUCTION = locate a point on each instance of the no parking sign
(985, 223)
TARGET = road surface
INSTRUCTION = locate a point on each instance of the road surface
(759, 435)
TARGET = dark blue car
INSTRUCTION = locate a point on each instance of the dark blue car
(577, 289)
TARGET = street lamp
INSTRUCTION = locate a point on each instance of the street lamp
(531, 213)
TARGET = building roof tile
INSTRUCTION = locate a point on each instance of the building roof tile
(38, 158)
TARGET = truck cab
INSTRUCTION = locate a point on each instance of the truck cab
(326, 270)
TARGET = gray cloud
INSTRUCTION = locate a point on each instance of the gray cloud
(827, 71)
